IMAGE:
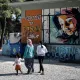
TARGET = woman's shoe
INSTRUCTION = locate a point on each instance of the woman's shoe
(42, 73)
(39, 72)
(28, 72)
(32, 70)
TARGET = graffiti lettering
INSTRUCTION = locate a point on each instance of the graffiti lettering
(68, 50)
(31, 22)
(36, 17)
(32, 28)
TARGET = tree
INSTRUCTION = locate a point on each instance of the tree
(4, 13)
(17, 0)
(6, 24)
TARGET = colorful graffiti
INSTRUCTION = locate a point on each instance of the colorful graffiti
(64, 52)
(65, 27)
(32, 26)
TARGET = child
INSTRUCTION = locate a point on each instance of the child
(17, 63)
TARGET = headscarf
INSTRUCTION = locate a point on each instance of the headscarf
(29, 42)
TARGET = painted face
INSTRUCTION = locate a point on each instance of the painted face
(68, 24)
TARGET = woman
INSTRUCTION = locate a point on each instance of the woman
(28, 56)
(41, 51)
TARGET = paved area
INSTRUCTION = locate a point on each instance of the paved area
(54, 70)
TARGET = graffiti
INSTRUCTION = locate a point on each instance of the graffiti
(64, 28)
(35, 17)
(32, 26)
(33, 36)
(31, 23)
(32, 18)
(64, 52)
(30, 31)
(67, 50)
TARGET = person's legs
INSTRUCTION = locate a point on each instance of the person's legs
(25, 62)
(32, 65)
(39, 59)
(16, 72)
(42, 68)
(42, 63)
(29, 65)
(21, 71)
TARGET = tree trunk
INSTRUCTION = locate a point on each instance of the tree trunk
(2, 27)
(2, 38)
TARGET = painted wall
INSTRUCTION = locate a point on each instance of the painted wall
(31, 26)
(65, 26)
(14, 38)
(65, 52)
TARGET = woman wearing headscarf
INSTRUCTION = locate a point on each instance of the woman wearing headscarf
(29, 56)
(41, 51)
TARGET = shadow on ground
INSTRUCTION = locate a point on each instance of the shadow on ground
(8, 74)
(14, 74)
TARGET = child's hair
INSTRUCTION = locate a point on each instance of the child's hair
(18, 55)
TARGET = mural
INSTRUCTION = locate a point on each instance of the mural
(14, 43)
(64, 52)
(32, 26)
(65, 27)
